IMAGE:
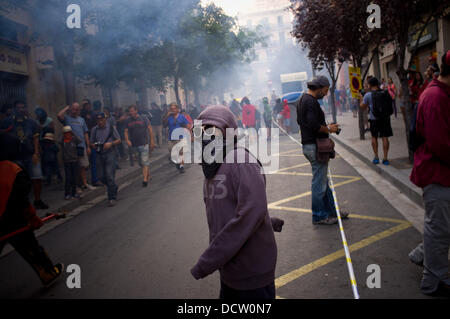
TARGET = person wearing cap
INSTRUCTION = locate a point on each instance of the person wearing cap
(104, 137)
(70, 115)
(312, 123)
(431, 172)
(379, 126)
(242, 244)
(69, 143)
(49, 158)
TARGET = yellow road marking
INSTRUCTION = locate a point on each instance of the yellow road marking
(278, 297)
(288, 199)
(310, 174)
(291, 167)
(295, 274)
(286, 152)
(305, 210)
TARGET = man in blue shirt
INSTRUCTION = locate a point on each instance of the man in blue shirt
(174, 120)
(80, 129)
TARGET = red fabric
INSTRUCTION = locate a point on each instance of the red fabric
(423, 87)
(432, 159)
(286, 112)
(414, 91)
(188, 117)
(8, 173)
(248, 115)
(392, 90)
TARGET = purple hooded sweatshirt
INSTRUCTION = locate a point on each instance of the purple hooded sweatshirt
(241, 233)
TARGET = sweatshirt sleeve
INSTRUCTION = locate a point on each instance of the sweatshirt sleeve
(248, 183)
(437, 134)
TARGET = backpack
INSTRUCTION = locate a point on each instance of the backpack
(381, 104)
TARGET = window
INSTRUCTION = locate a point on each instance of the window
(280, 21)
(281, 34)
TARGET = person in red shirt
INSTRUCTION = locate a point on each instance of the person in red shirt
(393, 93)
(286, 112)
(431, 172)
(248, 113)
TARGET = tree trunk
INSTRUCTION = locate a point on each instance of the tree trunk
(405, 100)
(176, 87)
(333, 104)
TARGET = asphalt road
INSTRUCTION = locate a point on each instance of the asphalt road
(146, 245)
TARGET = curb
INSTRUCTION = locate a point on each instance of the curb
(88, 197)
(413, 192)
(91, 199)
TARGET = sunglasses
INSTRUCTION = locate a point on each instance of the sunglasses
(207, 131)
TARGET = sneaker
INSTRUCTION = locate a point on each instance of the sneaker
(39, 204)
(67, 197)
(385, 162)
(58, 270)
(416, 255)
(326, 221)
(144, 184)
(77, 196)
(112, 203)
(90, 187)
(376, 160)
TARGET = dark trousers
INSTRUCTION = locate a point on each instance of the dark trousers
(267, 292)
(106, 164)
(93, 162)
(50, 168)
(27, 246)
(70, 170)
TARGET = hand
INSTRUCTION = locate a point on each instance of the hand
(107, 146)
(88, 151)
(129, 143)
(152, 146)
(35, 158)
(333, 128)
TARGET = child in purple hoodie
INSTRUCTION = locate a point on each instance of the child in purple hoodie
(242, 242)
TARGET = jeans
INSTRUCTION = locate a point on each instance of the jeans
(321, 195)
(436, 237)
(70, 170)
(106, 162)
(93, 158)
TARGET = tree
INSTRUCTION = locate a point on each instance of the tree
(208, 41)
(127, 43)
(315, 27)
(399, 18)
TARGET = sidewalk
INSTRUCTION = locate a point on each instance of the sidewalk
(53, 195)
(399, 170)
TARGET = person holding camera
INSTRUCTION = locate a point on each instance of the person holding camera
(103, 137)
(313, 128)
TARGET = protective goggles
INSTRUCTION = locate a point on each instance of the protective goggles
(204, 130)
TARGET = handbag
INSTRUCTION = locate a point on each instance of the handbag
(325, 149)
